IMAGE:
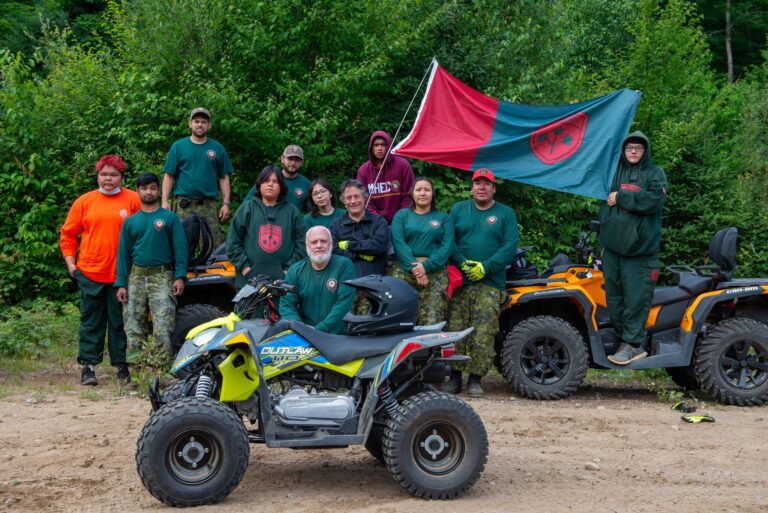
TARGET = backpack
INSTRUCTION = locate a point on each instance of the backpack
(199, 239)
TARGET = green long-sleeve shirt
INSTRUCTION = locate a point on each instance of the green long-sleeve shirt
(321, 220)
(151, 239)
(321, 299)
(422, 235)
(486, 236)
(267, 239)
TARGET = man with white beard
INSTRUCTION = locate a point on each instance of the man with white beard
(321, 299)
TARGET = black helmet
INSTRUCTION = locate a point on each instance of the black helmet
(394, 306)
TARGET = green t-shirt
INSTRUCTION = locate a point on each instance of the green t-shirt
(322, 220)
(486, 236)
(298, 189)
(422, 235)
(321, 299)
(151, 239)
(197, 168)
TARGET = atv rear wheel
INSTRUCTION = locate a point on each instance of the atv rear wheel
(544, 357)
(187, 317)
(435, 446)
(192, 451)
(684, 377)
(732, 362)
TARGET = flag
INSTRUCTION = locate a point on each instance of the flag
(570, 148)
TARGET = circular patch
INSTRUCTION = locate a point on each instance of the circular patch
(299, 193)
(331, 285)
(211, 155)
(434, 223)
(395, 185)
(492, 219)
(123, 213)
(159, 224)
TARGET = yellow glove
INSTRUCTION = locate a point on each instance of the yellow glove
(367, 258)
(344, 245)
(477, 272)
(467, 265)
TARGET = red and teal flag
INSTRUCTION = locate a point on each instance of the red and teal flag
(570, 148)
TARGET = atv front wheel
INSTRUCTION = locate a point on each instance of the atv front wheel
(435, 446)
(187, 317)
(544, 357)
(684, 377)
(192, 451)
(732, 362)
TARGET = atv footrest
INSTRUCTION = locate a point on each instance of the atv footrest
(322, 441)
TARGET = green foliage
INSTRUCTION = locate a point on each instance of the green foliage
(37, 329)
(326, 74)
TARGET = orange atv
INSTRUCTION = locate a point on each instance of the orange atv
(707, 329)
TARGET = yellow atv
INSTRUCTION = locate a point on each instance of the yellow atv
(707, 329)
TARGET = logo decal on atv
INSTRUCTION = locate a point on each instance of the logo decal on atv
(743, 289)
(560, 139)
(211, 155)
(270, 237)
(286, 354)
(331, 285)
(542, 292)
(159, 225)
(492, 220)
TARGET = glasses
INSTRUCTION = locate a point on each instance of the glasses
(319, 192)
(639, 148)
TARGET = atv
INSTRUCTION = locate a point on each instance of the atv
(707, 329)
(300, 388)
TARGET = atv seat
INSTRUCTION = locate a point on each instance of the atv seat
(669, 295)
(340, 349)
(694, 283)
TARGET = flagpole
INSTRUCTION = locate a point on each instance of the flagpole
(386, 155)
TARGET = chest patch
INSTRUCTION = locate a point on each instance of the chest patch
(434, 223)
(492, 220)
(159, 225)
(123, 213)
(211, 155)
(299, 193)
(630, 187)
(332, 285)
(270, 237)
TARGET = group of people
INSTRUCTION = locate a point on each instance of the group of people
(289, 227)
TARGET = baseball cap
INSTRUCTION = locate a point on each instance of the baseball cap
(484, 172)
(293, 150)
(199, 110)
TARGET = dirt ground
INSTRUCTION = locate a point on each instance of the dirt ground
(611, 447)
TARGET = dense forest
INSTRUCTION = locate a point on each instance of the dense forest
(79, 79)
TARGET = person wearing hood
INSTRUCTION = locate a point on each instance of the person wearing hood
(630, 234)
(388, 183)
(267, 233)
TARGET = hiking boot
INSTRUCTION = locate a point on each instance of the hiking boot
(474, 390)
(627, 354)
(123, 375)
(453, 385)
(88, 376)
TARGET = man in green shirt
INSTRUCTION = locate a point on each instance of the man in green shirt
(485, 242)
(297, 184)
(196, 169)
(321, 298)
(151, 266)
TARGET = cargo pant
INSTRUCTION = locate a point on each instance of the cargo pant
(629, 285)
(150, 293)
(477, 305)
(433, 300)
(209, 211)
(100, 313)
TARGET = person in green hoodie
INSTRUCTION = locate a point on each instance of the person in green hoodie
(267, 233)
(422, 237)
(630, 234)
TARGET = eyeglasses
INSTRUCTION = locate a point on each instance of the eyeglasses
(319, 192)
(639, 148)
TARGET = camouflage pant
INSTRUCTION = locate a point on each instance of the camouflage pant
(478, 305)
(433, 301)
(208, 211)
(153, 293)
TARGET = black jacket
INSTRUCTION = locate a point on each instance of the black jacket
(369, 236)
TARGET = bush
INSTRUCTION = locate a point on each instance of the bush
(39, 328)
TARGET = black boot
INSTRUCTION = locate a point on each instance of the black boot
(474, 390)
(453, 385)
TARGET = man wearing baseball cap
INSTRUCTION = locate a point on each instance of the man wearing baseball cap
(297, 184)
(196, 169)
(485, 242)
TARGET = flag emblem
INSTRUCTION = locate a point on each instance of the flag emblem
(560, 139)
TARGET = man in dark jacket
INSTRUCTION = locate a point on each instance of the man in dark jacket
(359, 235)
(630, 234)
(387, 183)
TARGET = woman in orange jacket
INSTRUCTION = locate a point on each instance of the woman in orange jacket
(96, 218)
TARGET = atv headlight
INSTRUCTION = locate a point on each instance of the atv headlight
(203, 338)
